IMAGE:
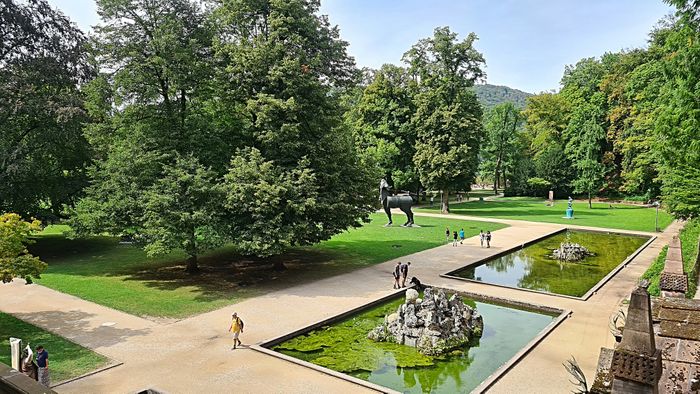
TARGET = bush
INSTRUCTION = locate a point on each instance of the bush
(690, 235)
(653, 273)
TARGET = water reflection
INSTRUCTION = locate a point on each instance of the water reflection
(533, 267)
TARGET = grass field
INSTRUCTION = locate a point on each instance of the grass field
(66, 359)
(621, 216)
(121, 276)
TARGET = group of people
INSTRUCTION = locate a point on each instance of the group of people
(459, 237)
(400, 274)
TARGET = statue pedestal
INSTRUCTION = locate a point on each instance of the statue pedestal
(569, 213)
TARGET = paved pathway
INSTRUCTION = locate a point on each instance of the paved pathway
(193, 355)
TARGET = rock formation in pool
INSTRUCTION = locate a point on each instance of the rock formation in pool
(433, 325)
(571, 252)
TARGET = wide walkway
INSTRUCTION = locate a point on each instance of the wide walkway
(193, 355)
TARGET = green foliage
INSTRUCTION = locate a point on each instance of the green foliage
(67, 359)
(448, 115)
(539, 185)
(187, 93)
(491, 95)
(653, 273)
(15, 259)
(381, 122)
(297, 149)
(690, 238)
(678, 121)
(181, 211)
(43, 153)
(502, 124)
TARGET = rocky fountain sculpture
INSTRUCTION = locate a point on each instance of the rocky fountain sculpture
(433, 325)
(569, 251)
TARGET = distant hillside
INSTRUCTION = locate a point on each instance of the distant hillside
(490, 95)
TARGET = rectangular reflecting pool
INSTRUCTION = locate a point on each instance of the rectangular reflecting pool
(534, 268)
(343, 346)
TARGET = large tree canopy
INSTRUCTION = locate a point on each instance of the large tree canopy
(221, 124)
(42, 150)
(296, 172)
(381, 120)
(448, 115)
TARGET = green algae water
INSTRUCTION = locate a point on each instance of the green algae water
(344, 347)
(532, 267)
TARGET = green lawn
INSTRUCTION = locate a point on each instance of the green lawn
(121, 276)
(621, 216)
(66, 359)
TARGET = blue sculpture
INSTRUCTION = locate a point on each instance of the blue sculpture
(570, 210)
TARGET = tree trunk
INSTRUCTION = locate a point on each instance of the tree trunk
(191, 249)
(445, 201)
(590, 205)
(192, 266)
(496, 178)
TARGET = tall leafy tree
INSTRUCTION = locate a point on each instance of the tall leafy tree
(584, 150)
(381, 120)
(502, 124)
(43, 154)
(448, 115)
(297, 173)
(678, 122)
(148, 108)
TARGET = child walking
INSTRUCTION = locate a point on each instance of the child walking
(488, 239)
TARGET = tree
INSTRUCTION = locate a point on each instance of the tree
(678, 121)
(150, 128)
(182, 210)
(584, 151)
(381, 122)
(43, 153)
(502, 124)
(15, 259)
(296, 171)
(448, 115)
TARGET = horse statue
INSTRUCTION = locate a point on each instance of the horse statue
(403, 202)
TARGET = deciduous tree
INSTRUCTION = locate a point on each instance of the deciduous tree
(448, 115)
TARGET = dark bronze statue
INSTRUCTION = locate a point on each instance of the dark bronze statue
(403, 202)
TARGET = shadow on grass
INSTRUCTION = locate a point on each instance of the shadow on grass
(224, 274)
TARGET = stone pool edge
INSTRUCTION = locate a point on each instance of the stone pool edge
(263, 346)
(593, 290)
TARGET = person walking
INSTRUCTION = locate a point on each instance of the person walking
(404, 273)
(42, 361)
(397, 274)
(454, 239)
(482, 237)
(447, 234)
(461, 236)
(488, 239)
(236, 328)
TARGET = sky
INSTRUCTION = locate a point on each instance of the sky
(526, 43)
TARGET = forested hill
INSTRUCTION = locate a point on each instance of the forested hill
(490, 95)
